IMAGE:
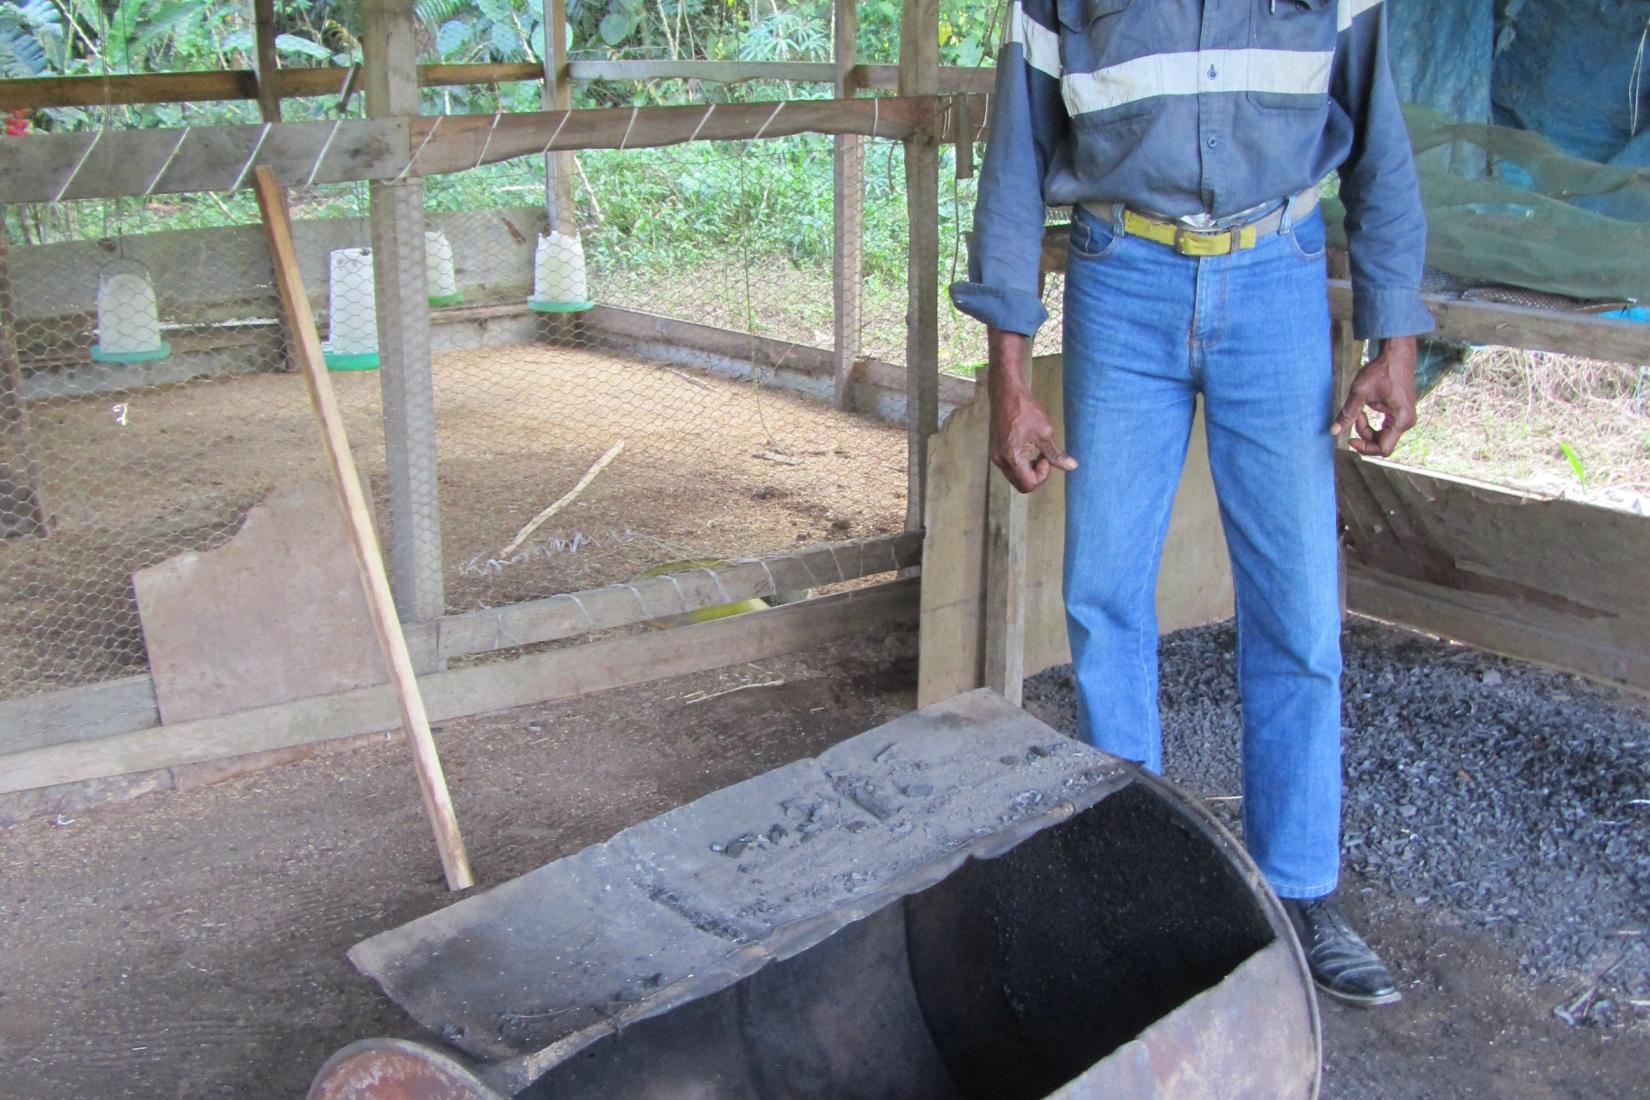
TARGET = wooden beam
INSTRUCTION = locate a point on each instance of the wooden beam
(710, 72)
(535, 678)
(559, 168)
(765, 352)
(1554, 581)
(492, 72)
(128, 704)
(1514, 327)
(119, 90)
(919, 76)
(268, 60)
(848, 213)
(432, 784)
(78, 714)
(455, 142)
(41, 93)
(952, 78)
(569, 616)
(109, 164)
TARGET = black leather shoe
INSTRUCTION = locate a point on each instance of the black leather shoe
(1342, 964)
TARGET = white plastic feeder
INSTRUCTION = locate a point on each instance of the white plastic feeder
(352, 311)
(438, 268)
(128, 323)
(558, 275)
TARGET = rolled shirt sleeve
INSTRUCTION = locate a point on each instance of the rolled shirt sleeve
(1386, 225)
(1028, 122)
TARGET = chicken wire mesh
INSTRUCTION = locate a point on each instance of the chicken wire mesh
(674, 334)
(663, 360)
(144, 408)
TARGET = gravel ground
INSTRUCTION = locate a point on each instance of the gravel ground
(1501, 801)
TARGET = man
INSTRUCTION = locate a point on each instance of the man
(1190, 137)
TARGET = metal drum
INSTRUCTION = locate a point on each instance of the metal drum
(958, 904)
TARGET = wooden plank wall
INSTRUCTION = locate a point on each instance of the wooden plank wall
(1553, 581)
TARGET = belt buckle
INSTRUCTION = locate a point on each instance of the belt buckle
(1190, 243)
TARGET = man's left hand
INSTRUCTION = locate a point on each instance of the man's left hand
(1385, 385)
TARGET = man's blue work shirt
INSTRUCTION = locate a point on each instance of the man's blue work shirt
(1188, 107)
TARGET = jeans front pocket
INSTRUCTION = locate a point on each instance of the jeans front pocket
(1091, 238)
(1306, 237)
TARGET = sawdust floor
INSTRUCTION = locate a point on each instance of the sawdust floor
(517, 427)
(192, 944)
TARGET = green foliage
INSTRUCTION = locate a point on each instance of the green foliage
(31, 39)
(1574, 459)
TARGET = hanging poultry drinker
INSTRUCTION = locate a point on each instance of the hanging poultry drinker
(959, 904)
(558, 275)
(352, 311)
(128, 319)
(439, 269)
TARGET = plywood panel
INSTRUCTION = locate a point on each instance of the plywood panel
(1194, 586)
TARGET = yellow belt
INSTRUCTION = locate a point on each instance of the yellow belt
(1189, 242)
(1211, 242)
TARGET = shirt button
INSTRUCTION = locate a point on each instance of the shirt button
(1212, 72)
(1212, 142)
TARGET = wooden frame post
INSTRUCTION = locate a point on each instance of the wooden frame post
(919, 75)
(13, 422)
(558, 96)
(268, 60)
(848, 206)
(1004, 619)
(432, 784)
(397, 223)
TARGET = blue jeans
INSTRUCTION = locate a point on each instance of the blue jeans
(1146, 331)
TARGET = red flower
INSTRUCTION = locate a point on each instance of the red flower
(17, 123)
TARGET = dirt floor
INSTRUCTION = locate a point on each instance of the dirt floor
(192, 944)
(133, 479)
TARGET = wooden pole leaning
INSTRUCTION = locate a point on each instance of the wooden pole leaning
(369, 559)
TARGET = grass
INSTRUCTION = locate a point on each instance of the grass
(1540, 421)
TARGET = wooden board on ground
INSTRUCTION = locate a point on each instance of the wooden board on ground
(276, 614)
(1553, 581)
(1194, 586)
(456, 693)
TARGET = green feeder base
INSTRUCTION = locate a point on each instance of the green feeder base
(452, 299)
(101, 356)
(365, 360)
(541, 306)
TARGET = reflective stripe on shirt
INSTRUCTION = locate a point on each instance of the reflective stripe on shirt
(1041, 45)
(1286, 72)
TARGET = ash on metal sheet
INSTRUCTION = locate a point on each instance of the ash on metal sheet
(1489, 793)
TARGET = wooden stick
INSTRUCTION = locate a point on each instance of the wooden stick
(368, 557)
(566, 498)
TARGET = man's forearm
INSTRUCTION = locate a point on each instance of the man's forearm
(1006, 366)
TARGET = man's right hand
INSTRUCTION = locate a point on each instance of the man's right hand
(1023, 443)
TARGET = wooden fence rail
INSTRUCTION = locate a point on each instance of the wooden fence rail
(115, 163)
(229, 85)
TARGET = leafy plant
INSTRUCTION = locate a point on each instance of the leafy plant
(31, 37)
(1574, 460)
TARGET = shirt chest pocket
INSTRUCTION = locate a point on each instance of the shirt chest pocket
(1096, 38)
(1291, 55)
(1080, 14)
